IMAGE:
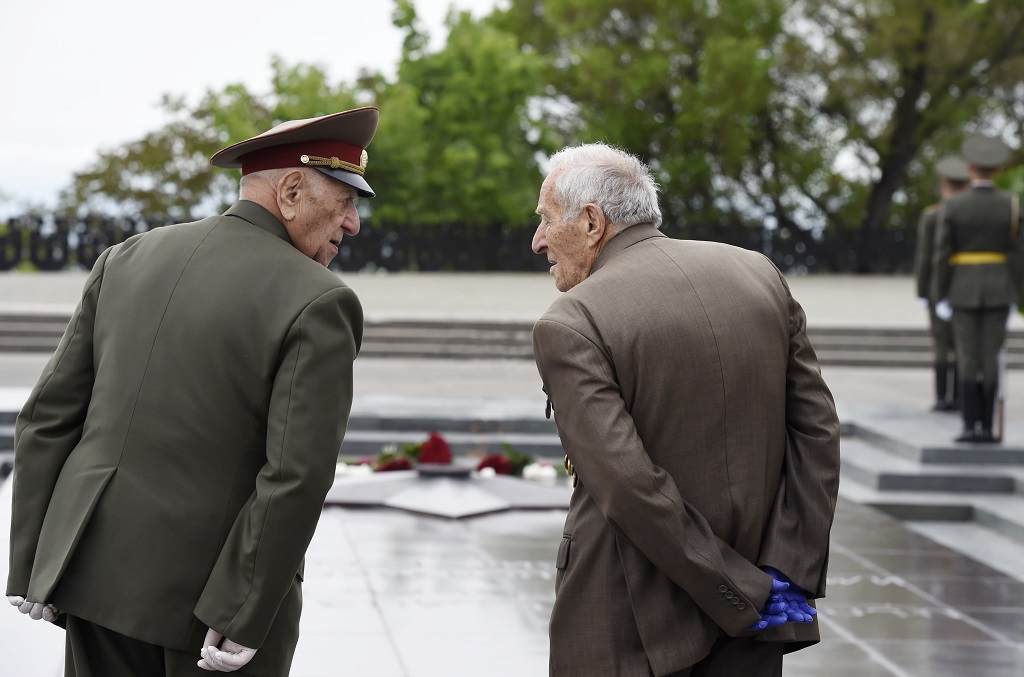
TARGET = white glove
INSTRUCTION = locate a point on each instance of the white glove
(35, 610)
(228, 658)
(943, 310)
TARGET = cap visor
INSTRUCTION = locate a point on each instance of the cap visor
(351, 178)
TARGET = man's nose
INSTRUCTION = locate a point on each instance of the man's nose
(540, 243)
(351, 223)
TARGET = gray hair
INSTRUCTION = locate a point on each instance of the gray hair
(616, 181)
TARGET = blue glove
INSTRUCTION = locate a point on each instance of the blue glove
(774, 611)
(795, 598)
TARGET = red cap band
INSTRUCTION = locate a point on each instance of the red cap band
(290, 154)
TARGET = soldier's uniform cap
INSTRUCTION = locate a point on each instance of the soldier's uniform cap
(985, 151)
(333, 144)
(952, 168)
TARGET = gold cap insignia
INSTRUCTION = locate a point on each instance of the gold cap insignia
(337, 163)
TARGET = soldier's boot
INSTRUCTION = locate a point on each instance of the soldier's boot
(971, 393)
(988, 408)
(941, 381)
(958, 396)
(946, 398)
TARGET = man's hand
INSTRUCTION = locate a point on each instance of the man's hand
(774, 611)
(943, 310)
(797, 609)
(35, 610)
(227, 658)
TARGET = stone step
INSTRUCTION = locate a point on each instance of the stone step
(901, 460)
(460, 339)
(884, 471)
(362, 443)
(421, 423)
(1004, 513)
(927, 437)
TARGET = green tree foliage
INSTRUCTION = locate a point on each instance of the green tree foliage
(453, 143)
(167, 173)
(682, 83)
(815, 116)
(451, 146)
(820, 118)
(884, 88)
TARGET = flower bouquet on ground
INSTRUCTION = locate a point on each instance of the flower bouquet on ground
(513, 462)
(434, 451)
(433, 454)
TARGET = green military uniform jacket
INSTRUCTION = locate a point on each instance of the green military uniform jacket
(172, 462)
(705, 443)
(979, 221)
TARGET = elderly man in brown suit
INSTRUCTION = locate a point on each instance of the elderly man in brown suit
(172, 462)
(703, 442)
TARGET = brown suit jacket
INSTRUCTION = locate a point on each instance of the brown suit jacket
(706, 444)
(172, 462)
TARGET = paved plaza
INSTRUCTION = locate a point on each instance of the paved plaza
(392, 593)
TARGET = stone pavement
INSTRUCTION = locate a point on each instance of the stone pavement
(392, 593)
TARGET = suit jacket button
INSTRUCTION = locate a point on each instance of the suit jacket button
(722, 588)
(735, 600)
(728, 595)
(741, 606)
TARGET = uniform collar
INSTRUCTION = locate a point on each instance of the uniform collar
(627, 238)
(260, 217)
(983, 183)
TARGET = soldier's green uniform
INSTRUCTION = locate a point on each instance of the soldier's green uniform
(953, 173)
(978, 268)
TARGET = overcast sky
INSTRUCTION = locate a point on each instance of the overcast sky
(77, 77)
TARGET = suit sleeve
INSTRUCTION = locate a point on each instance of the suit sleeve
(796, 541)
(49, 427)
(308, 416)
(638, 497)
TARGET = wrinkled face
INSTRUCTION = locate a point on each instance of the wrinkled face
(326, 213)
(564, 243)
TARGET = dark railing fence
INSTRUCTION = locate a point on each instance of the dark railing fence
(62, 243)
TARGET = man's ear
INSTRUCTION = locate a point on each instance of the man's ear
(596, 223)
(289, 193)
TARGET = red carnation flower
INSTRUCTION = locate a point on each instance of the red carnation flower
(436, 450)
(400, 463)
(499, 462)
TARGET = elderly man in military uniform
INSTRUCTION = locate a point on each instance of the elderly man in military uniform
(953, 180)
(978, 278)
(172, 462)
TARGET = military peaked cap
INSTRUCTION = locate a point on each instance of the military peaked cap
(985, 151)
(952, 168)
(333, 144)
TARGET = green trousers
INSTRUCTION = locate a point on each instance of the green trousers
(979, 335)
(91, 650)
(942, 337)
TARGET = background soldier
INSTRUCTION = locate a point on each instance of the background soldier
(978, 277)
(953, 180)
